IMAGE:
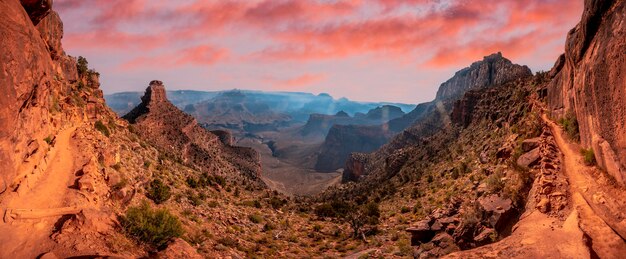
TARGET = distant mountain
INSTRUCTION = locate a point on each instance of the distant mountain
(295, 104)
(491, 71)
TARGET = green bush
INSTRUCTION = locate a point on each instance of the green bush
(588, 156)
(276, 202)
(255, 218)
(151, 226)
(102, 128)
(82, 66)
(570, 126)
(48, 140)
(158, 191)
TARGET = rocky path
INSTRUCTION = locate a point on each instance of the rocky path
(28, 238)
(601, 205)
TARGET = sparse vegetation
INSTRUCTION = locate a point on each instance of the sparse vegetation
(102, 128)
(255, 218)
(494, 183)
(363, 216)
(570, 126)
(48, 140)
(158, 191)
(588, 156)
(82, 66)
(151, 226)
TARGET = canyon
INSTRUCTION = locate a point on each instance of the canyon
(502, 163)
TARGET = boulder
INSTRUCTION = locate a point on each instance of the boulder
(49, 255)
(486, 236)
(421, 232)
(498, 211)
(544, 205)
(530, 144)
(87, 183)
(529, 159)
(178, 248)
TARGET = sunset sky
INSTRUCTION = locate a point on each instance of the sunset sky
(366, 50)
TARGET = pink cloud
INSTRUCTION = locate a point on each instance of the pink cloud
(198, 55)
(295, 83)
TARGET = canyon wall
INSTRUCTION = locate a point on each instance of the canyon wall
(589, 81)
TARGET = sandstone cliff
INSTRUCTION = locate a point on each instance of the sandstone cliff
(492, 70)
(589, 81)
(160, 122)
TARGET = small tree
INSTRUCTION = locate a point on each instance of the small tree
(158, 191)
(362, 217)
(82, 65)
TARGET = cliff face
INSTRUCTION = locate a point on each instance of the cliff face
(589, 80)
(345, 139)
(318, 125)
(160, 122)
(39, 86)
(492, 70)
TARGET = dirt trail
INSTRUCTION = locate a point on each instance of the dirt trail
(30, 238)
(591, 230)
(591, 198)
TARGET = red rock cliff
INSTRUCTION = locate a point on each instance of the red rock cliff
(589, 80)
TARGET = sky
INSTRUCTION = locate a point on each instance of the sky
(365, 50)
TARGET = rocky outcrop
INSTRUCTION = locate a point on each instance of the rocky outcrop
(354, 168)
(345, 139)
(384, 113)
(492, 70)
(319, 125)
(37, 9)
(589, 81)
(160, 122)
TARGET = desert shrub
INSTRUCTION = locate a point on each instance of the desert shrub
(363, 217)
(151, 226)
(255, 218)
(588, 156)
(196, 199)
(276, 202)
(570, 126)
(252, 203)
(102, 128)
(192, 182)
(333, 209)
(404, 209)
(120, 185)
(48, 140)
(228, 241)
(158, 191)
(494, 183)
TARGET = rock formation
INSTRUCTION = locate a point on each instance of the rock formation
(589, 81)
(491, 71)
(342, 140)
(318, 125)
(163, 124)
